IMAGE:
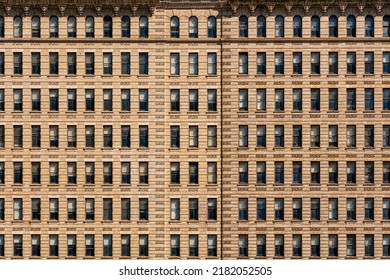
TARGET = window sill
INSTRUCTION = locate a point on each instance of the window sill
(17, 76)
(107, 149)
(174, 76)
(369, 75)
(296, 111)
(332, 111)
(71, 76)
(315, 75)
(333, 148)
(242, 112)
(209, 76)
(211, 112)
(174, 185)
(350, 111)
(278, 75)
(107, 76)
(350, 184)
(174, 149)
(297, 75)
(279, 111)
(192, 185)
(193, 112)
(350, 75)
(211, 149)
(333, 75)
(142, 185)
(53, 76)
(89, 76)
(297, 148)
(242, 148)
(142, 221)
(143, 149)
(174, 221)
(192, 221)
(314, 148)
(35, 76)
(124, 75)
(142, 111)
(193, 149)
(243, 75)
(71, 112)
(143, 76)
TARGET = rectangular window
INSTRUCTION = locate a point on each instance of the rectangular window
(333, 136)
(193, 173)
(107, 99)
(315, 209)
(18, 100)
(315, 63)
(212, 100)
(368, 63)
(90, 173)
(315, 172)
(333, 209)
(71, 245)
(297, 99)
(35, 63)
(386, 135)
(107, 245)
(243, 209)
(175, 172)
(143, 100)
(261, 172)
(351, 99)
(386, 99)
(143, 209)
(36, 136)
(297, 63)
(35, 99)
(2, 100)
(261, 136)
(297, 245)
(143, 245)
(279, 172)
(368, 245)
(279, 245)
(211, 209)
(107, 136)
(89, 136)
(243, 100)
(243, 173)
(243, 63)
(72, 209)
(125, 173)
(386, 245)
(18, 172)
(243, 245)
(211, 245)
(243, 136)
(53, 245)
(125, 99)
(369, 209)
(279, 135)
(297, 136)
(279, 209)
(279, 63)
(333, 245)
(351, 209)
(261, 101)
(125, 245)
(175, 64)
(72, 172)
(193, 209)
(53, 95)
(211, 63)
(18, 209)
(89, 245)
(107, 208)
(18, 136)
(193, 136)
(53, 59)
(72, 136)
(35, 209)
(385, 209)
(386, 62)
(107, 172)
(315, 245)
(2, 64)
(297, 208)
(143, 173)
(175, 209)
(175, 136)
(351, 172)
(53, 208)
(18, 63)
(194, 247)
(125, 136)
(53, 172)
(333, 99)
(351, 136)
(72, 64)
(193, 100)
(193, 64)
(211, 173)
(297, 172)
(368, 136)
(333, 63)
(315, 100)
(261, 63)
(175, 245)
(89, 63)
(333, 172)
(2, 176)
(261, 209)
(143, 63)
(351, 245)
(125, 63)
(279, 99)
(72, 100)
(2, 136)
(90, 209)
(351, 62)
(90, 100)
(35, 245)
(143, 136)
(369, 172)
(175, 100)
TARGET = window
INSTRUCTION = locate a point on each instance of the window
(297, 99)
(351, 62)
(333, 209)
(18, 27)
(386, 136)
(369, 172)
(193, 209)
(125, 173)
(333, 99)
(36, 136)
(143, 136)
(72, 64)
(107, 63)
(369, 63)
(351, 209)
(315, 63)
(386, 99)
(90, 63)
(333, 26)
(211, 173)
(279, 135)
(368, 245)
(72, 245)
(193, 27)
(72, 136)
(2, 32)
(107, 172)
(18, 136)
(279, 245)
(107, 245)
(175, 64)
(125, 27)
(143, 100)
(89, 245)
(193, 61)
(36, 209)
(261, 26)
(333, 63)
(261, 209)
(386, 26)
(2, 64)
(243, 63)
(386, 62)
(18, 209)
(297, 245)
(212, 27)
(297, 208)
(125, 99)
(53, 245)
(143, 245)
(333, 136)
(386, 245)
(193, 136)
(53, 208)
(193, 96)
(243, 209)
(297, 172)
(2, 181)
(35, 245)
(243, 100)
(211, 63)
(193, 249)
(368, 136)
(18, 99)
(243, 136)
(315, 209)
(315, 26)
(193, 173)
(89, 100)
(279, 99)
(211, 209)
(297, 136)
(261, 63)
(279, 26)
(125, 136)
(261, 173)
(243, 245)
(89, 208)
(125, 245)
(385, 207)
(212, 100)
(53, 171)
(351, 99)
(89, 27)
(53, 27)
(369, 26)
(315, 177)
(143, 173)
(90, 173)
(18, 63)
(279, 172)
(351, 26)
(243, 26)
(333, 172)
(125, 63)
(243, 173)
(107, 99)
(297, 26)
(53, 58)
(143, 27)
(351, 172)
(35, 63)
(72, 209)
(107, 136)
(143, 63)
(369, 209)
(107, 208)
(351, 136)
(315, 245)
(175, 245)
(72, 172)
(175, 100)
(53, 134)
(297, 63)
(107, 27)
(175, 27)
(211, 245)
(35, 99)
(351, 245)
(279, 209)
(72, 27)
(175, 208)
(279, 63)
(175, 172)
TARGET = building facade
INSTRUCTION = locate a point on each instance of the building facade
(194, 129)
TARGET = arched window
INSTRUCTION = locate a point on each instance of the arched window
(212, 27)
(297, 26)
(35, 27)
(279, 26)
(333, 27)
(369, 26)
(175, 27)
(72, 27)
(18, 27)
(107, 27)
(53, 23)
(261, 26)
(351, 26)
(89, 27)
(386, 26)
(1, 26)
(243, 26)
(143, 27)
(193, 27)
(315, 26)
(126, 27)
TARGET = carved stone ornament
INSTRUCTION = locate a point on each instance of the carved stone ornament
(151, 9)
(134, 10)
(44, 10)
(80, 10)
(252, 8)
(8, 10)
(98, 9)
(342, 7)
(324, 8)
(271, 8)
(378, 8)
(62, 9)
(360, 7)
(26, 10)
(234, 7)
(116, 10)
(306, 7)
(288, 7)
